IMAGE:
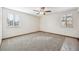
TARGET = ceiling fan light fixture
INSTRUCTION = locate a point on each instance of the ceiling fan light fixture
(41, 13)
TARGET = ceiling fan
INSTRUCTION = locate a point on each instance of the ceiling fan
(42, 11)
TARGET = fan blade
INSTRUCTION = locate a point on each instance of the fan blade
(48, 11)
(36, 10)
(37, 13)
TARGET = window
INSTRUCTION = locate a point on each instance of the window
(16, 20)
(67, 21)
(13, 20)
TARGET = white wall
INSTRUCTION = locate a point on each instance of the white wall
(52, 23)
(28, 23)
(0, 25)
(49, 23)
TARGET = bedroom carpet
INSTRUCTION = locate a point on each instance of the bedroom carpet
(39, 41)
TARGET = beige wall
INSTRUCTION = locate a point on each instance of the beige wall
(0, 25)
(49, 23)
(52, 23)
(28, 23)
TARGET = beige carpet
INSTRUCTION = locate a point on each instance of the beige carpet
(39, 41)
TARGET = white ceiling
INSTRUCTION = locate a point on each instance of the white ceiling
(29, 10)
